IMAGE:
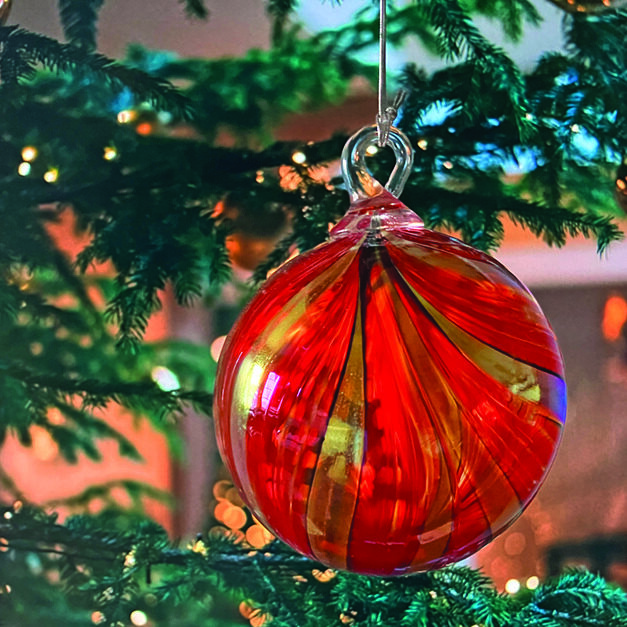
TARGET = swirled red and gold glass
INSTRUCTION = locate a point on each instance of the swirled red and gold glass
(391, 400)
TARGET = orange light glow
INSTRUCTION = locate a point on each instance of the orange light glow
(144, 128)
(614, 317)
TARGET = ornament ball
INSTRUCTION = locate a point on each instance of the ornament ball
(620, 188)
(589, 6)
(5, 9)
(392, 400)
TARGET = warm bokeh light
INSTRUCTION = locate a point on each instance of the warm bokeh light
(165, 379)
(51, 175)
(138, 618)
(144, 128)
(512, 586)
(29, 153)
(614, 317)
(216, 347)
(110, 153)
(533, 582)
(24, 168)
(258, 536)
(124, 117)
(299, 157)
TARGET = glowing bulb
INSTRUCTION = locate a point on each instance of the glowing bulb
(448, 165)
(299, 157)
(124, 117)
(533, 582)
(512, 586)
(110, 153)
(51, 175)
(145, 128)
(138, 618)
(372, 150)
(23, 169)
(165, 379)
(422, 144)
(29, 153)
(575, 128)
(259, 177)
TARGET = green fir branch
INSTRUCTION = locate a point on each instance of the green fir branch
(284, 584)
(196, 8)
(459, 38)
(22, 51)
(79, 19)
(145, 395)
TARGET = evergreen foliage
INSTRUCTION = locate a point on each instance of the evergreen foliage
(491, 142)
(113, 568)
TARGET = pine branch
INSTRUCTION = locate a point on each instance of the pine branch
(78, 18)
(279, 10)
(512, 13)
(117, 558)
(459, 38)
(22, 51)
(196, 8)
(93, 393)
(104, 493)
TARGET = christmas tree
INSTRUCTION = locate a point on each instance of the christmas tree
(130, 186)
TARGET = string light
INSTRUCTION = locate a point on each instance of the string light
(130, 560)
(299, 157)
(512, 586)
(138, 618)
(423, 144)
(165, 379)
(24, 168)
(29, 153)
(145, 128)
(373, 149)
(124, 117)
(110, 153)
(533, 582)
(51, 175)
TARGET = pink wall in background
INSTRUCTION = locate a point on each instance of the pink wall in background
(234, 26)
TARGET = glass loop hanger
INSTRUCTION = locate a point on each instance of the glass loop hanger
(359, 181)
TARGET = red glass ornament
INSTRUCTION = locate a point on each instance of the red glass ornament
(5, 9)
(392, 399)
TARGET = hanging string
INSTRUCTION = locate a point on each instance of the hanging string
(387, 113)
